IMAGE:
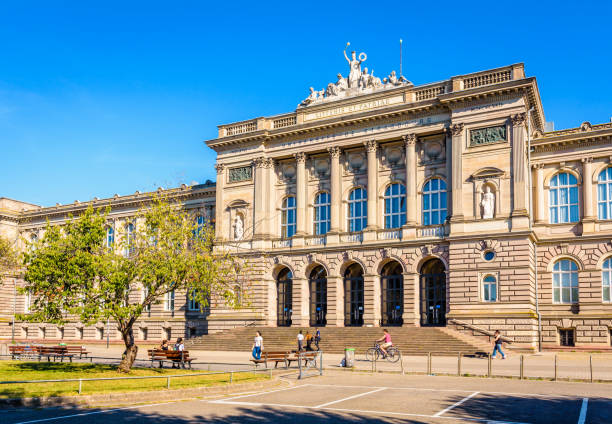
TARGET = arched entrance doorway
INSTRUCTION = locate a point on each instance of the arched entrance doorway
(284, 305)
(353, 296)
(318, 296)
(392, 285)
(433, 293)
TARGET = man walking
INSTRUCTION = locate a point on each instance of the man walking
(317, 338)
(497, 341)
(300, 340)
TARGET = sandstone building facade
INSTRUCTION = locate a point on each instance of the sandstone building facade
(445, 204)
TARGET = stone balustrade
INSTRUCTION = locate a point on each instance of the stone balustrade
(277, 244)
(352, 238)
(285, 121)
(431, 232)
(315, 241)
(390, 234)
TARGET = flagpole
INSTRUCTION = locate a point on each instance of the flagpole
(400, 58)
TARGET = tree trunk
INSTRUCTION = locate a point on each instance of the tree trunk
(131, 350)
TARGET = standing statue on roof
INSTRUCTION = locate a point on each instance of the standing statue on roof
(355, 66)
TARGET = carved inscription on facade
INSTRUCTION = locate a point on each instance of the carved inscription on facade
(488, 135)
(243, 173)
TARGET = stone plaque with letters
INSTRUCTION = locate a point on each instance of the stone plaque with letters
(487, 135)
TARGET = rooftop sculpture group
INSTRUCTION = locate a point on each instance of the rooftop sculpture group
(358, 82)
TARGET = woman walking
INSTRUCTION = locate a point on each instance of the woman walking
(257, 346)
(497, 340)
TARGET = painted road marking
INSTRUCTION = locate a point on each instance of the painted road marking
(263, 393)
(350, 397)
(454, 405)
(583, 411)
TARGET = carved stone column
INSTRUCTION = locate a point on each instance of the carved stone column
(300, 294)
(411, 198)
(334, 153)
(260, 200)
(519, 161)
(371, 300)
(456, 132)
(588, 220)
(539, 194)
(335, 301)
(371, 147)
(300, 188)
(219, 209)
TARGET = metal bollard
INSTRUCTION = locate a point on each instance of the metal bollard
(489, 366)
(555, 368)
(231, 376)
(80, 386)
(522, 367)
(167, 382)
(428, 363)
(591, 367)
(459, 364)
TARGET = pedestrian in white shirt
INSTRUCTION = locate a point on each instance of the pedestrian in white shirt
(257, 346)
(300, 340)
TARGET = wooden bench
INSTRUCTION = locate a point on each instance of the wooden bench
(54, 352)
(76, 350)
(272, 356)
(175, 356)
(24, 352)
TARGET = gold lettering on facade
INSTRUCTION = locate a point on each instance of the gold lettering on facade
(354, 108)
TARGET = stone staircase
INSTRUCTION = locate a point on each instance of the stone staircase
(410, 340)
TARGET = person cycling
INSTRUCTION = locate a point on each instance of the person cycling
(386, 342)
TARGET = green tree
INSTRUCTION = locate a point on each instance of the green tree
(8, 256)
(72, 271)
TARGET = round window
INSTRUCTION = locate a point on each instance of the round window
(489, 255)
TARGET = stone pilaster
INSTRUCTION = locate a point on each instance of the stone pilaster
(300, 188)
(334, 154)
(520, 217)
(456, 132)
(371, 300)
(411, 298)
(335, 301)
(371, 148)
(260, 206)
(411, 197)
(300, 297)
(540, 210)
(588, 219)
(219, 209)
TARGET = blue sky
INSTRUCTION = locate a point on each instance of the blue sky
(118, 96)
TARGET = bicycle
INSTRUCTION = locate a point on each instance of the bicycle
(373, 353)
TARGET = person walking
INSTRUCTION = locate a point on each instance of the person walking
(257, 346)
(497, 341)
(317, 338)
(300, 340)
(309, 341)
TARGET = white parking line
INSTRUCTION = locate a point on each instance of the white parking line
(260, 393)
(583, 410)
(350, 397)
(454, 405)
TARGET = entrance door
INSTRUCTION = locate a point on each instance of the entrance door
(284, 286)
(392, 282)
(433, 293)
(353, 296)
(318, 297)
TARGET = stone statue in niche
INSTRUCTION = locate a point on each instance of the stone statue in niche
(487, 203)
(238, 228)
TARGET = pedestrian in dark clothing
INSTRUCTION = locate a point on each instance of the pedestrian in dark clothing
(317, 338)
(497, 341)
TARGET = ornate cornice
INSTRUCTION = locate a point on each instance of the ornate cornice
(371, 146)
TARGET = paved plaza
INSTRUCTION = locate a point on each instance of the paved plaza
(355, 397)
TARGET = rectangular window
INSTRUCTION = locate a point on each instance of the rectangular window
(169, 301)
(567, 337)
(489, 289)
(193, 305)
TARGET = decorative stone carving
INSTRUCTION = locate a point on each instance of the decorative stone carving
(238, 228)
(586, 126)
(321, 167)
(219, 167)
(300, 157)
(355, 161)
(519, 119)
(371, 146)
(588, 159)
(456, 129)
(410, 139)
(488, 135)
(393, 155)
(286, 171)
(242, 173)
(334, 151)
(487, 203)
(431, 151)
(354, 66)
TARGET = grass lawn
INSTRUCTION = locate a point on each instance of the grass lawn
(20, 371)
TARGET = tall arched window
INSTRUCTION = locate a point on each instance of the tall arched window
(288, 217)
(321, 213)
(395, 205)
(357, 210)
(565, 281)
(563, 198)
(604, 194)
(606, 279)
(110, 237)
(129, 240)
(434, 202)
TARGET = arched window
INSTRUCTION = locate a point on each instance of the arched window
(565, 281)
(563, 198)
(395, 205)
(357, 210)
(110, 237)
(606, 279)
(489, 289)
(321, 213)
(288, 217)
(284, 298)
(434, 202)
(604, 194)
(129, 240)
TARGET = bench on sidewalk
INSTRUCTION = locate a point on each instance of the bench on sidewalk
(54, 352)
(76, 350)
(180, 357)
(23, 352)
(273, 356)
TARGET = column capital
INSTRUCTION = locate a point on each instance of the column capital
(537, 165)
(456, 130)
(262, 162)
(300, 157)
(220, 168)
(587, 159)
(410, 139)
(334, 151)
(371, 146)
(519, 119)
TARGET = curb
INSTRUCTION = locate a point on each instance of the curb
(136, 397)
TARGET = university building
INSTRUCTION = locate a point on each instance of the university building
(381, 203)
